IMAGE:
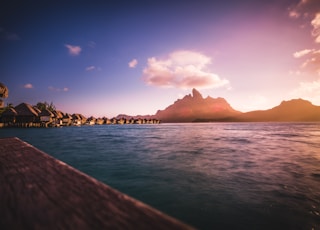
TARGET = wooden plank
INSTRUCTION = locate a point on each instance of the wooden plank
(38, 191)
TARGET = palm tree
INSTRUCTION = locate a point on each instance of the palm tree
(4, 93)
(45, 105)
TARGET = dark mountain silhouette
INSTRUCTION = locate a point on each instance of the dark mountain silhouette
(293, 110)
(196, 108)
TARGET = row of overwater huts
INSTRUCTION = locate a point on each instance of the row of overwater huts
(26, 115)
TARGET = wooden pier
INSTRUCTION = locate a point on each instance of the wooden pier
(38, 191)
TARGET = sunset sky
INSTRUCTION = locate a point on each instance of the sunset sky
(103, 58)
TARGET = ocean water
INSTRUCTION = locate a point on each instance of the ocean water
(209, 175)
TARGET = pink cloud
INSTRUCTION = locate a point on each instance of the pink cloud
(316, 27)
(28, 86)
(308, 10)
(302, 53)
(133, 63)
(73, 50)
(304, 8)
(182, 69)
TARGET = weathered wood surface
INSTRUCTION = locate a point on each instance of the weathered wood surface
(38, 191)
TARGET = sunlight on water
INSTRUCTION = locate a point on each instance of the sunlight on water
(210, 175)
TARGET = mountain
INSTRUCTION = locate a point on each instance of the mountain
(293, 110)
(196, 108)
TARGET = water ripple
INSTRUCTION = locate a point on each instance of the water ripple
(212, 175)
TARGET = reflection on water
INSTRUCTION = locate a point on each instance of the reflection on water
(211, 175)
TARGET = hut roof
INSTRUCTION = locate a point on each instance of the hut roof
(57, 114)
(91, 118)
(46, 112)
(82, 117)
(9, 112)
(36, 109)
(25, 109)
(67, 115)
(76, 116)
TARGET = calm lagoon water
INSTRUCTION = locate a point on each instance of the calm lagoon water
(209, 175)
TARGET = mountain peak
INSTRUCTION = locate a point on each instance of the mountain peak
(196, 94)
(195, 108)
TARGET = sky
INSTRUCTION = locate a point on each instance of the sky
(104, 58)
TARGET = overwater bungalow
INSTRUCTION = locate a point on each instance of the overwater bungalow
(100, 121)
(36, 109)
(121, 121)
(114, 121)
(91, 121)
(76, 119)
(107, 121)
(46, 117)
(66, 119)
(138, 121)
(27, 116)
(8, 117)
(57, 118)
(83, 118)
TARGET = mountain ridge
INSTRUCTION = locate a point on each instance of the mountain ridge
(194, 108)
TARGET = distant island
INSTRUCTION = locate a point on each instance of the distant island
(191, 108)
(195, 108)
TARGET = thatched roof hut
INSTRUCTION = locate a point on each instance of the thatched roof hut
(9, 115)
(46, 115)
(26, 113)
(83, 118)
(36, 109)
(57, 114)
(66, 119)
(10, 112)
(76, 116)
(46, 112)
(25, 109)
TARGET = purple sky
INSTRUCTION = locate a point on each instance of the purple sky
(104, 58)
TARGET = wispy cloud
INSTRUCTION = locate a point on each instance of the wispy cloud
(73, 50)
(65, 89)
(304, 9)
(182, 69)
(28, 86)
(308, 10)
(311, 60)
(90, 68)
(133, 63)
(316, 27)
(302, 53)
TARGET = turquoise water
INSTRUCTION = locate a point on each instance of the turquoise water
(209, 175)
